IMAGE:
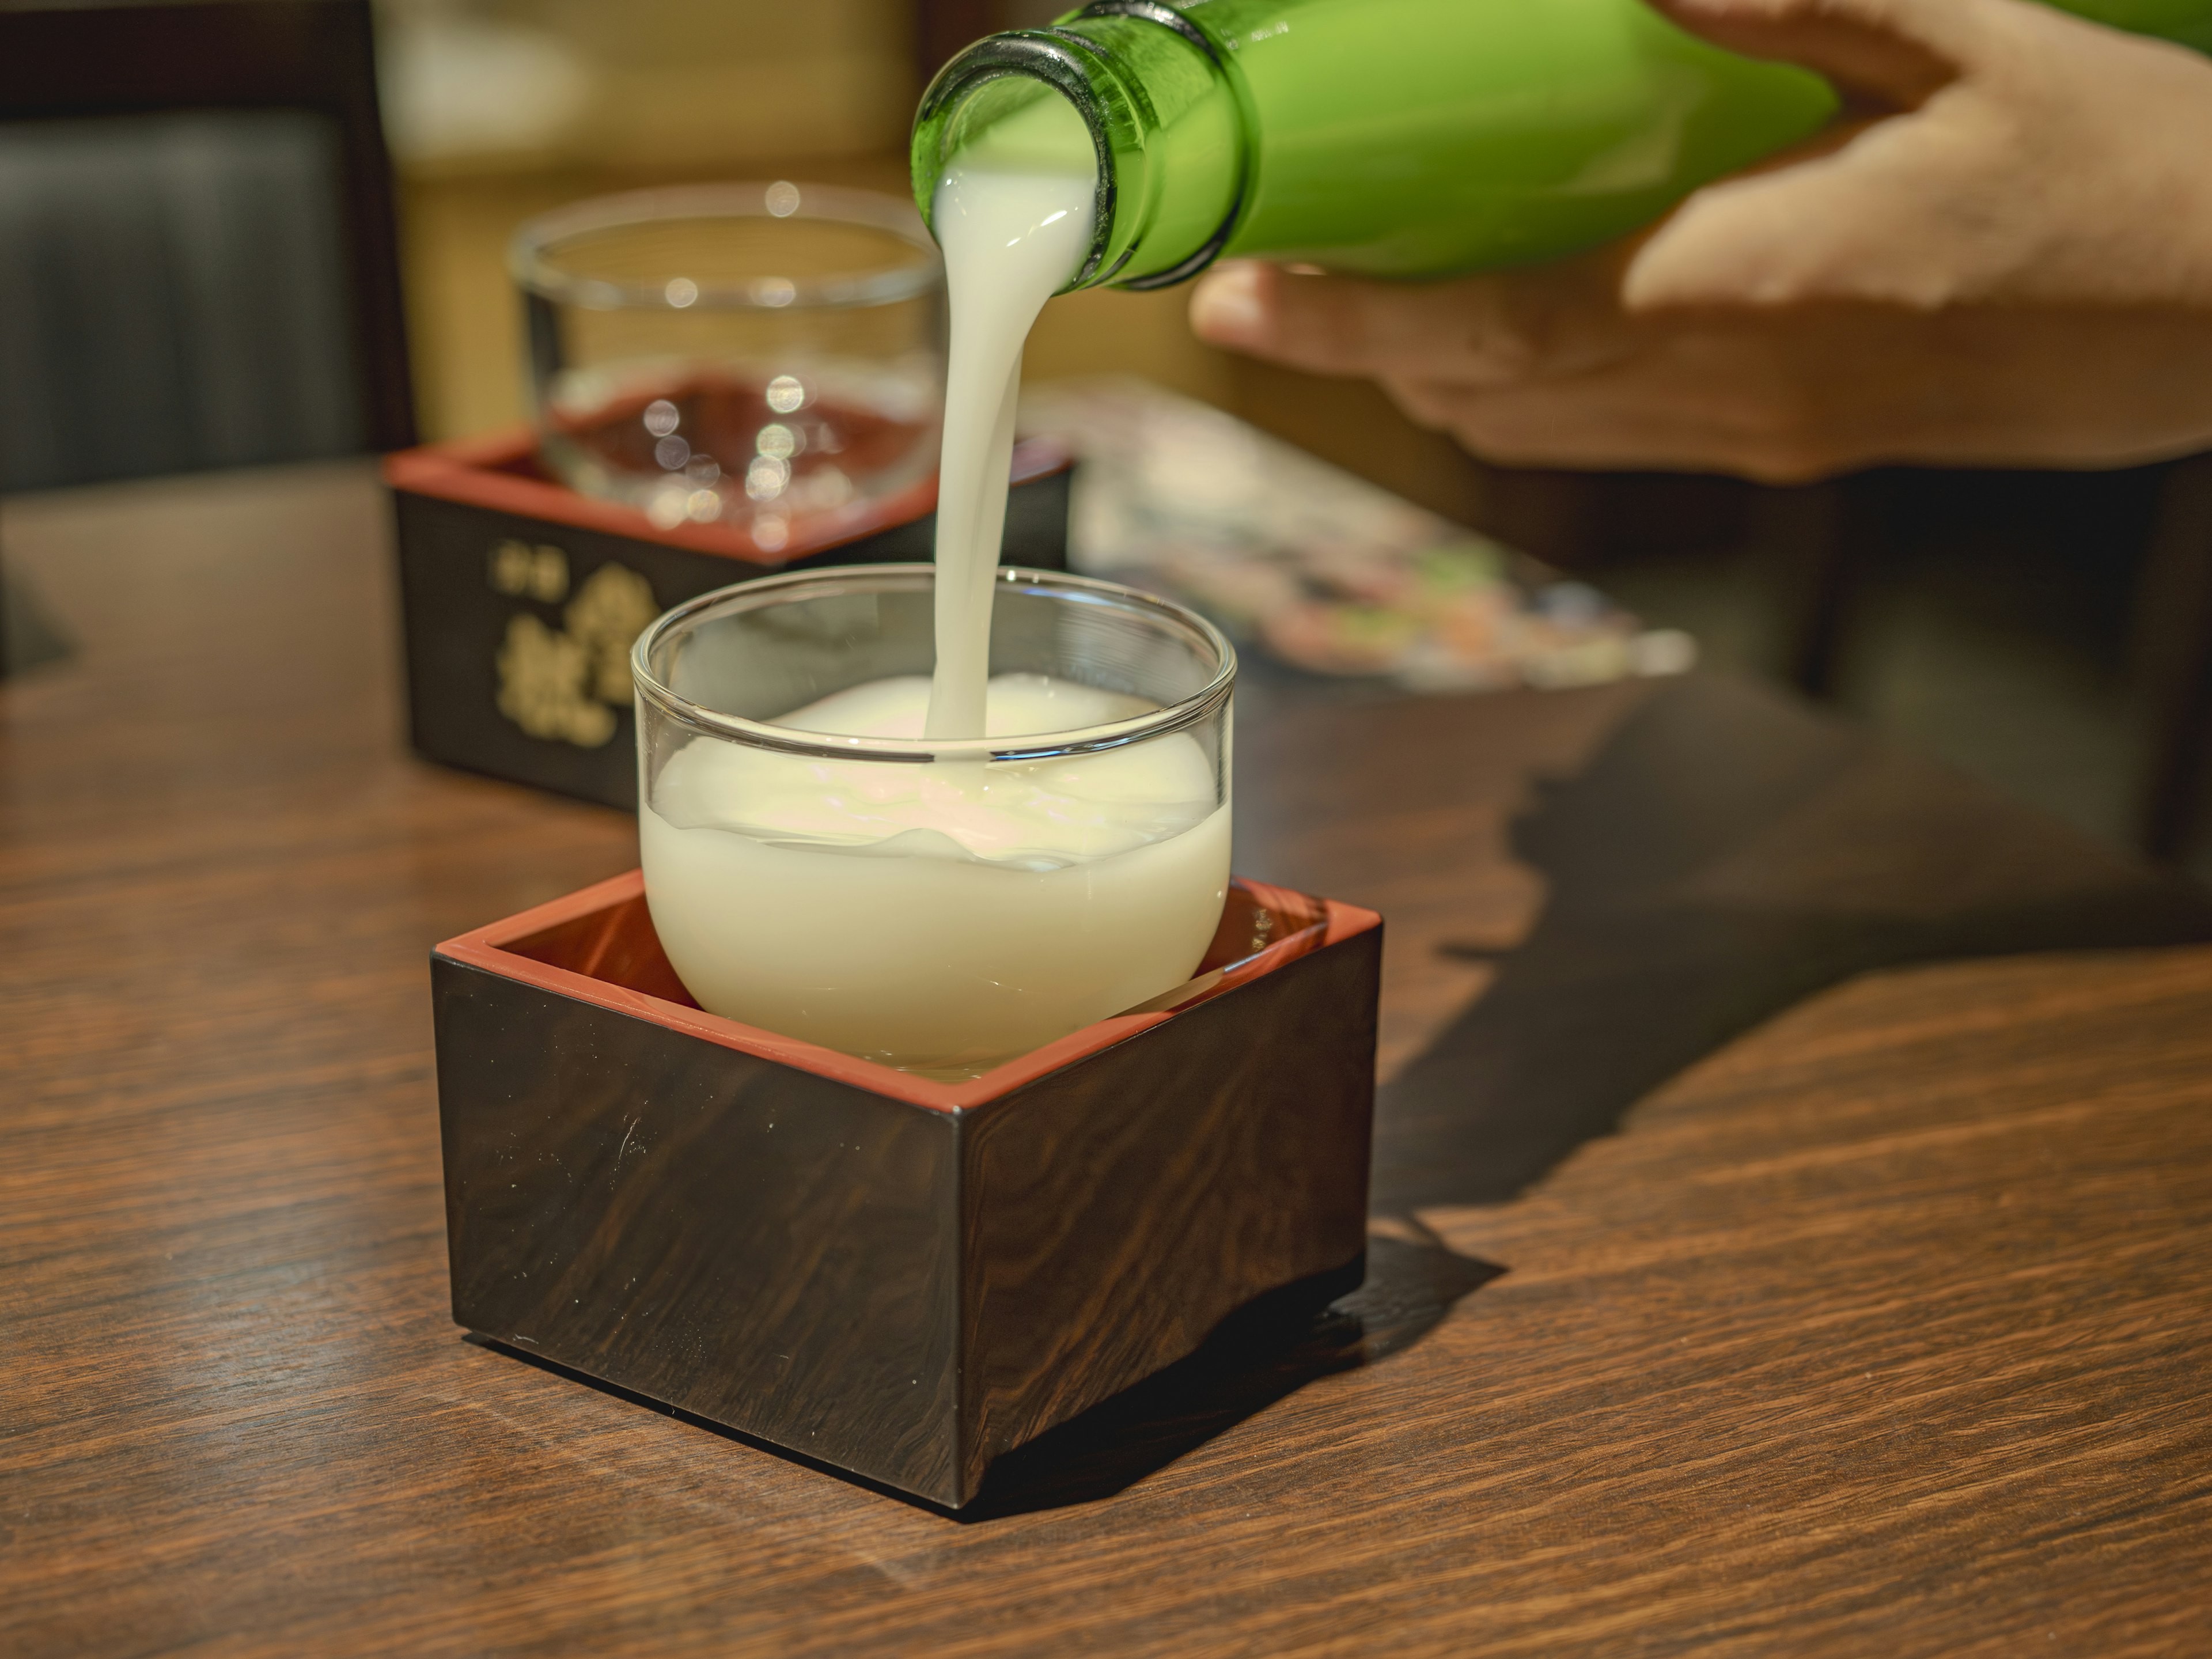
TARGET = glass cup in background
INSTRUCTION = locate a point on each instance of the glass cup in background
(743, 355)
(906, 946)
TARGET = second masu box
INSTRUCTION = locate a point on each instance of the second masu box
(519, 598)
(901, 1278)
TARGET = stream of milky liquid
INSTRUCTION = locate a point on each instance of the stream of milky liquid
(1014, 214)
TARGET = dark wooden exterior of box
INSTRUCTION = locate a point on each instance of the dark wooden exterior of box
(488, 545)
(899, 1278)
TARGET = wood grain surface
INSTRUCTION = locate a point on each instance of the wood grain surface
(1749, 1275)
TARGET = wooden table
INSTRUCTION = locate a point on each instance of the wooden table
(1726, 1295)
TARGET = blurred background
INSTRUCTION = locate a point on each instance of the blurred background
(318, 195)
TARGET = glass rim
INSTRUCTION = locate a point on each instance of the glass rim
(741, 597)
(530, 251)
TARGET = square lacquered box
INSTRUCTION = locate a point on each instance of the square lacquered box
(901, 1278)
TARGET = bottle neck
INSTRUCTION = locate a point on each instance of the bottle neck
(1172, 149)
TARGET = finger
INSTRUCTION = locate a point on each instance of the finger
(1720, 402)
(1534, 427)
(1896, 213)
(1789, 232)
(1967, 389)
(1894, 52)
(1487, 331)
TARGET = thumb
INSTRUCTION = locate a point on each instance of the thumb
(1891, 53)
(1871, 211)
(1818, 223)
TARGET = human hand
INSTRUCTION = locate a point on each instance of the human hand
(2003, 256)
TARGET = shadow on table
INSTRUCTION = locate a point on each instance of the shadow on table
(1727, 853)
(1256, 1357)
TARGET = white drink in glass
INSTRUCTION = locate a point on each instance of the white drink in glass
(937, 917)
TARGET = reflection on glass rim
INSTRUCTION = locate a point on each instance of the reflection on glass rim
(529, 254)
(1028, 746)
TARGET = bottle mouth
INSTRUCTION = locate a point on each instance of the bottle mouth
(1115, 112)
(1045, 55)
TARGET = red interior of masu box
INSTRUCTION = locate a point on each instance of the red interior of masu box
(598, 947)
(502, 471)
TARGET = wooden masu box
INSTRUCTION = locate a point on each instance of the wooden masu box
(519, 598)
(900, 1277)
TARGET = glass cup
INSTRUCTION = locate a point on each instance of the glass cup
(937, 906)
(746, 354)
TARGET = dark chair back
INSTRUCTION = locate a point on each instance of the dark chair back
(197, 261)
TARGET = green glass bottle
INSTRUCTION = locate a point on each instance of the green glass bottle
(1391, 137)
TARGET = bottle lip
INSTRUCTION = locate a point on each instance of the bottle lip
(1044, 55)
(1087, 73)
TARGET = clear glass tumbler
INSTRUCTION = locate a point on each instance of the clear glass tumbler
(939, 907)
(747, 355)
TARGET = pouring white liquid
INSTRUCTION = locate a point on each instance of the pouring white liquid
(944, 917)
(1013, 231)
